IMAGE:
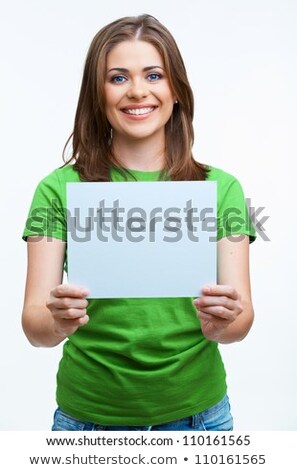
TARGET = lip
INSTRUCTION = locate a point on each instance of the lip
(138, 117)
(139, 106)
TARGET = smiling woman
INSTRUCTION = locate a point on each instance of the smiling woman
(136, 363)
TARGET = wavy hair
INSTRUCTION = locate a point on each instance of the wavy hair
(91, 137)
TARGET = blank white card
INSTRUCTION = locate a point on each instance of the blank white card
(142, 239)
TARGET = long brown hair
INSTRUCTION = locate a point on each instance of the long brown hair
(91, 137)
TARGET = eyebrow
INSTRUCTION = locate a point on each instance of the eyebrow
(145, 69)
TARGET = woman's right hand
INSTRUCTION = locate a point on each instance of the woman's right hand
(67, 304)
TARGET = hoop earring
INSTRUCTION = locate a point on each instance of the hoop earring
(171, 123)
(109, 136)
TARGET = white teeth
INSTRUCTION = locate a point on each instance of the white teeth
(138, 111)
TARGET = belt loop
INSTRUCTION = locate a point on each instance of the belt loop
(195, 421)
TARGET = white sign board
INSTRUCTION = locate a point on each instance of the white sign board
(142, 239)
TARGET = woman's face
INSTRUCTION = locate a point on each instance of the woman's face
(139, 100)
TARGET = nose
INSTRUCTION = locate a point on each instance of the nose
(138, 89)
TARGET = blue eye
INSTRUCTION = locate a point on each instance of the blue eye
(154, 77)
(118, 79)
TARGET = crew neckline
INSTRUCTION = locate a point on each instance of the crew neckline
(137, 171)
(144, 171)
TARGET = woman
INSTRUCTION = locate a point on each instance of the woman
(136, 363)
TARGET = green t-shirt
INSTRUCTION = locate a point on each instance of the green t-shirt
(138, 361)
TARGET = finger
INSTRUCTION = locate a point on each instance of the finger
(206, 301)
(215, 321)
(219, 312)
(68, 290)
(68, 314)
(205, 316)
(227, 291)
(77, 322)
(68, 327)
(69, 302)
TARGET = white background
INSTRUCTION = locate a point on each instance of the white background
(241, 60)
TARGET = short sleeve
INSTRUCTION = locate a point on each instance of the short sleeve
(47, 214)
(233, 215)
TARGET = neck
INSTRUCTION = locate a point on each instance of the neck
(142, 154)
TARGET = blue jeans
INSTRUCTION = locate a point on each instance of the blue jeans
(216, 418)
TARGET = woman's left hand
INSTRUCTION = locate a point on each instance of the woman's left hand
(217, 308)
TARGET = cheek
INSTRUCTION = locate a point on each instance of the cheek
(111, 96)
(169, 107)
(168, 98)
(110, 105)
(111, 117)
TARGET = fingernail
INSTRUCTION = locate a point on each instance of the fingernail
(206, 289)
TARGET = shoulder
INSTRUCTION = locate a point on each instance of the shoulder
(226, 182)
(53, 185)
(219, 175)
(60, 176)
(229, 190)
(233, 211)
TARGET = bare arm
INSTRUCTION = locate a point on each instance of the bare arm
(226, 310)
(52, 311)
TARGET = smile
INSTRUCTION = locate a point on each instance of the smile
(139, 111)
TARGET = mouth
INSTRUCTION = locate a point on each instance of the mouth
(139, 111)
